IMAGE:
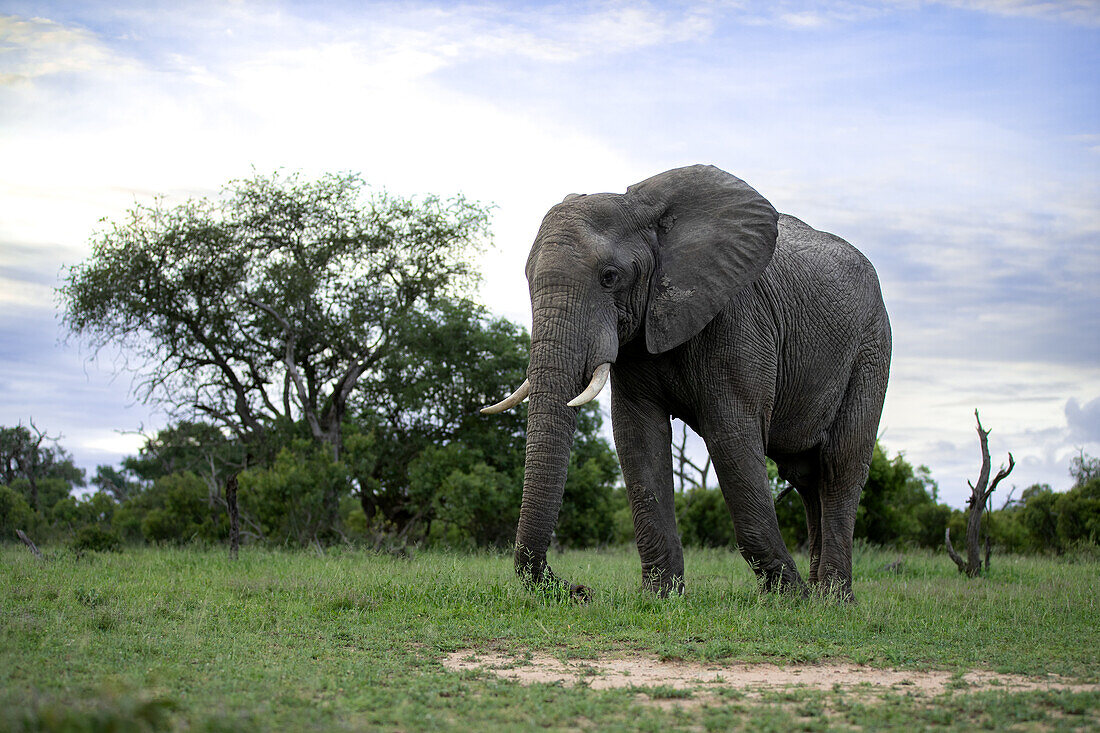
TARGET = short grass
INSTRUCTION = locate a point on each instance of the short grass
(151, 639)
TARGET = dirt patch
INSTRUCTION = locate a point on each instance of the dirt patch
(624, 671)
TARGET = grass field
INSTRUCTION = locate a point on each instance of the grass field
(152, 639)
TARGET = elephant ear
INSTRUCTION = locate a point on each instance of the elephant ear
(715, 235)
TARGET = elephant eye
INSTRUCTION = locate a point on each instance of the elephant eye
(609, 278)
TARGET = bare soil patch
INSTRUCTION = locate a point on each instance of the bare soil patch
(637, 670)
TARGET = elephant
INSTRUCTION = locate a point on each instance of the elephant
(701, 302)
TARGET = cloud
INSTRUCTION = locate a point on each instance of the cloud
(564, 34)
(929, 415)
(64, 392)
(1084, 420)
(1080, 12)
(822, 15)
(31, 48)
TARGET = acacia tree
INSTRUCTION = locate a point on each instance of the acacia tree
(267, 305)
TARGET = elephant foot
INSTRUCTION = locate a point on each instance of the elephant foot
(552, 586)
(835, 589)
(782, 579)
(662, 584)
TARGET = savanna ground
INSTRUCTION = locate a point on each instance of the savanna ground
(184, 639)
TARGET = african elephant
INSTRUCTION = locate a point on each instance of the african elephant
(766, 336)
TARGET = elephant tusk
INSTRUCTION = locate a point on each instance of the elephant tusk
(599, 379)
(510, 401)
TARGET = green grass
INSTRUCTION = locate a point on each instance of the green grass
(152, 639)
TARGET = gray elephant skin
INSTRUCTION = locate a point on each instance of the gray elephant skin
(766, 336)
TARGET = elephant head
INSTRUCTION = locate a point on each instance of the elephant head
(606, 270)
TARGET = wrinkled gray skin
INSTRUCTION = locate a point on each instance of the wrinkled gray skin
(764, 335)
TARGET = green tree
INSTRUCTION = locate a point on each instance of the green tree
(703, 519)
(267, 305)
(1084, 468)
(197, 447)
(115, 482)
(467, 500)
(288, 498)
(36, 465)
(15, 513)
(72, 513)
(1036, 513)
(174, 509)
(895, 499)
(449, 360)
(1077, 512)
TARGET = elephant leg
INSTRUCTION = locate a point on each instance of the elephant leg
(643, 440)
(811, 500)
(744, 480)
(845, 463)
(802, 471)
(839, 501)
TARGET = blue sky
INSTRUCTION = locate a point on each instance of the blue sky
(956, 143)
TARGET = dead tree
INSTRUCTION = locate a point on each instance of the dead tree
(30, 545)
(979, 497)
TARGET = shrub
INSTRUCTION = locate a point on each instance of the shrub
(15, 513)
(96, 538)
(703, 519)
(291, 498)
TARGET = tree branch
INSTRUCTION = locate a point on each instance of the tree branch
(30, 545)
(1002, 473)
(951, 551)
(290, 339)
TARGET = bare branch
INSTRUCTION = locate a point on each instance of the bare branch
(290, 339)
(30, 545)
(1002, 473)
(951, 551)
(271, 312)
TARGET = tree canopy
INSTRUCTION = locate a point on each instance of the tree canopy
(37, 465)
(270, 302)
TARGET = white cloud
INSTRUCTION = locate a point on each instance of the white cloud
(35, 47)
(1084, 420)
(1083, 12)
(929, 415)
(566, 34)
(826, 14)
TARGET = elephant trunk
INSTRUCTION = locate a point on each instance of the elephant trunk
(550, 426)
(558, 363)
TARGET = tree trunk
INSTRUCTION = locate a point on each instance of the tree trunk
(234, 516)
(30, 545)
(979, 497)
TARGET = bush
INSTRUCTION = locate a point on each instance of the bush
(703, 519)
(96, 538)
(15, 513)
(462, 499)
(894, 501)
(176, 508)
(72, 513)
(1078, 514)
(291, 498)
(590, 501)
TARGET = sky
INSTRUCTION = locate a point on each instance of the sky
(956, 143)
